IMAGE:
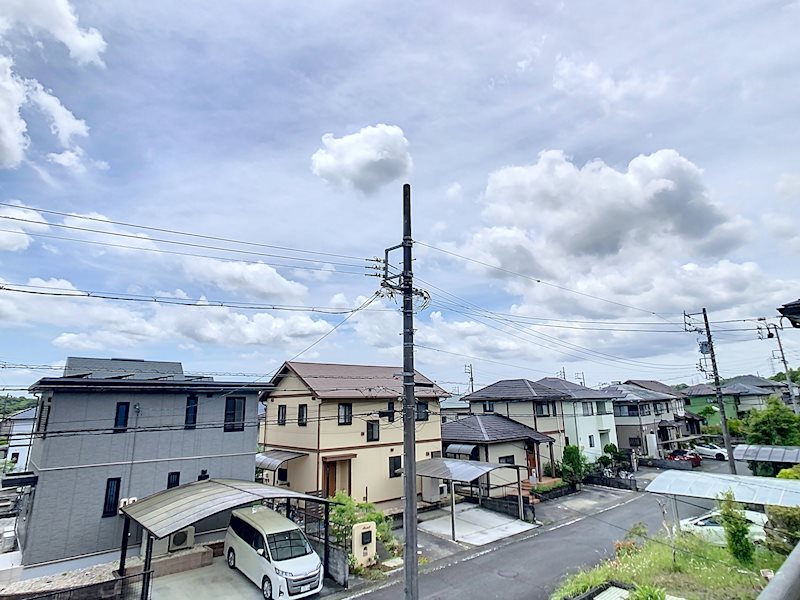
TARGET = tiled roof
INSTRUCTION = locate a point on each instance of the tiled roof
(327, 380)
(655, 386)
(488, 428)
(625, 392)
(701, 389)
(742, 389)
(575, 391)
(756, 381)
(515, 390)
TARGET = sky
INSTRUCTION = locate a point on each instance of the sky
(582, 174)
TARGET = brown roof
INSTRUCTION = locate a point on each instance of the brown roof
(327, 380)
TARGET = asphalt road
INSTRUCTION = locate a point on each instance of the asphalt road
(530, 567)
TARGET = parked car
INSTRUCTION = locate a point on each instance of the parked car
(710, 450)
(273, 553)
(687, 455)
(709, 527)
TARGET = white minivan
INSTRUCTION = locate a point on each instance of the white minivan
(273, 553)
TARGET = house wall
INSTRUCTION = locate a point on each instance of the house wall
(19, 442)
(65, 515)
(748, 403)
(323, 438)
(506, 476)
(602, 427)
(698, 403)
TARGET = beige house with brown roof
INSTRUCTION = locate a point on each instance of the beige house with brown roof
(336, 427)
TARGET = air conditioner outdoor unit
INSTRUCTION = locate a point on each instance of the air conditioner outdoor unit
(181, 540)
(444, 489)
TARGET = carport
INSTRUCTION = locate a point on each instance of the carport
(465, 471)
(169, 511)
(776, 454)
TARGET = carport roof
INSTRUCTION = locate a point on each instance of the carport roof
(171, 510)
(780, 454)
(746, 489)
(453, 469)
(272, 458)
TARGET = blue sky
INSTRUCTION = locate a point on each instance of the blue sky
(644, 155)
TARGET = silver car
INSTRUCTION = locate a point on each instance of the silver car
(709, 527)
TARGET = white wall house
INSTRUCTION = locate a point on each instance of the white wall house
(19, 439)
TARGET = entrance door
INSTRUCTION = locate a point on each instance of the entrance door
(330, 479)
(530, 455)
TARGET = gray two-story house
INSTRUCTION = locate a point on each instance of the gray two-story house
(111, 431)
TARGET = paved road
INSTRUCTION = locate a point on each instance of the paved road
(531, 568)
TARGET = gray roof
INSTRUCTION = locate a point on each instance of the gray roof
(326, 380)
(453, 469)
(272, 458)
(625, 392)
(756, 381)
(104, 368)
(655, 386)
(701, 389)
(454, 404)
(168, 511)
(489, 428)
(757, 453)
(205, 385)
(519, 390)
(746, 489)
(742, 389)
(27, 413)
(575, 391)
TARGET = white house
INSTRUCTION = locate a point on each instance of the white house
(19, 438)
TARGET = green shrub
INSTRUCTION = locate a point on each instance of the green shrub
(575, 465)
(783, 532)
(549, 487)
(736, 529)
(348, 512)
(648, 592)
(550, 471)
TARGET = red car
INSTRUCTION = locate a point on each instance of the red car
(687, 455)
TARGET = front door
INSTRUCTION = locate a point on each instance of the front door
(530, 454)
(330, 479)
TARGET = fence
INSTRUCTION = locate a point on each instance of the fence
(123, 588)
(681, 465)
(621, 483)
(556, 492)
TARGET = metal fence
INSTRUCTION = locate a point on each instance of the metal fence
(621, 483)
(129, 587)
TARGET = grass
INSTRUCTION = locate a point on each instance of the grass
(701, 571)
(549, 487)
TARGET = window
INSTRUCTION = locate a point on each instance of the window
(659, 408)
(287, 544)
(121, 416)
(190, 420)
(591, 441)
(244, 530)
(15, 457)
(373, 431)
(281, 414)
(346, 413)
(390, 411)
(626, 410)
(203, 475)
(111, 501)
(588, 409)
(422, 411)
(282, 474)
(542, 409)
(506, 460)
(234, 414)
(601, 408)
(395, 464)
(302, 415)
(173, 479)
(644, 409)
(634, 442)
(488, 406)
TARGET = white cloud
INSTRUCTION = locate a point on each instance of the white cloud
(63, 123)
(69, 159)
(366, 160)
(588, 79)
(788, 187)
(15, 239)
(13, 141)
(57, 18)
(257, 279)
(453, 191)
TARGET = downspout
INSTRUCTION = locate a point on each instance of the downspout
(575, 418)
(319, 426)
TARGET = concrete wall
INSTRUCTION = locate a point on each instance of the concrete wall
(65, 517)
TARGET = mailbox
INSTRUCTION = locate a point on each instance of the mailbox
(365, 547)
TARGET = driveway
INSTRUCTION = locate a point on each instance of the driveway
(475, 526)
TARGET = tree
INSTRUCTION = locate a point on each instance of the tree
(774, 425)
(707, 411)
(793, 373)
(736, 529)
(574, 465)
(783, 532)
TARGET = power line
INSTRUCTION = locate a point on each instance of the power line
(177, 232)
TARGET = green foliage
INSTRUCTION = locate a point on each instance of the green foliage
(793, 373)
(12, 404)
(707, 411)
(549, 487)
(610, 449)
(604, 461)
(637, 531)
(736, 529)
(349, 512)
(549, 471)
(581, 583)
(648, 592)
(575, 465)
(774, 425)
(737, 428)
(790, 473)
(783, 532)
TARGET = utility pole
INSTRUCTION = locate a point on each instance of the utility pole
(406, 286)
(580, 376)
(771, 327)
(562, 374)
(720, 403)
(468, 371)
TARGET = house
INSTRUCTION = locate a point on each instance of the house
(495, 438)
(747, 397)
(533, 404)
(645, 420)
(778, 389)
(20, 436)
(453, 409)
(110, 431)
(588, 416)
(688, 422)
(336, 427)
(697, 397)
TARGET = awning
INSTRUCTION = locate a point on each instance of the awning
(453, 469)
(459, 449)
(688, 438)
(168, 511)
(757, 453)
(271, 459)
(665, 423)
(746, 489)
